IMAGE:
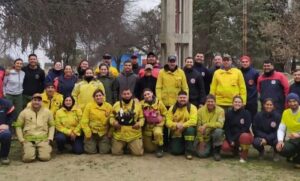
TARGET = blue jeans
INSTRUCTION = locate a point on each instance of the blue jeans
(62, 139)
(5, 140)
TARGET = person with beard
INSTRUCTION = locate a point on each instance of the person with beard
(218, 62)
(95, 125)
(264, 127)
(127, 79)
(238, 137)
(152, 60)
(108, 82)
(273, 84)
(171, 80)
(68, 129)
(154, 113)
(148, 81)
(135, 64)
(288, 133)
(56, 71)
(83, 65)
(83, 90)
(51, 99)
(112, 70)
(195, 83)
(65, 83)
(227, 83)
(204, 72)
(250, 75)
(209, 129)
(35, 129)
(181, 120)
(127, 119)
(34, 80)
(295, 87)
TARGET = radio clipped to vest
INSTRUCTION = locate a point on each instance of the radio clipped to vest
(126, 118)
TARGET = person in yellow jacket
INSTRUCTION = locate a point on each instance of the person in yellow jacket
(154, 113)
(170, 81)
(83, 90)
(51, 99)
(209, 129)
(127, 119)
(35, 130)
(228, 82)
(95, 124)
(112, 70)
(68, 129)
(182, 119)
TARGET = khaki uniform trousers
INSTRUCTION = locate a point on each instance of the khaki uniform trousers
(135, 146)
(97, 143)
(33, 149)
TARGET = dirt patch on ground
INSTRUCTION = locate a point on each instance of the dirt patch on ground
(107, 167)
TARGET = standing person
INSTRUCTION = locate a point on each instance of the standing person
(35, 130)
(209, 129)
(126, 79)
(127, 119)
(34, 79)
(295, 87)
(112, 70)
(272, 84)
(108, 82)
(227, 83)
(195, 83)
(218, 62)
(65, 83)
(7, 116)
(83, 65)
(67, 124)
(171, 80)
(200, 67)
(95, 125)
(135, 64)
(155, 113)
(288, 132)
(83, 90)
(13, 85)
(264, 127)
(148, 81)
(181, 120)
(250, 75)
(151, 59)
(237, 130)
(51, 99)
(54, 72)
(2, 75)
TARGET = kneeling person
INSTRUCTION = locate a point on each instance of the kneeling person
(95, 125)
(209, 129)
(127, 119)
(182, 119)
(154, 113)
(35, 130)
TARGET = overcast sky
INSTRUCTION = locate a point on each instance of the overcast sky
(138, 6)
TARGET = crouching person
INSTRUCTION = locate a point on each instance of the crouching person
(237, 130)
(182, 119)
(154, 113)
(95, 125)
(67, 124)
(35, 130)
(209, 129)
(127, 119)
(264, 127)
(290, 126)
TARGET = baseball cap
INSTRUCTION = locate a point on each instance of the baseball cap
(172, 58)
(148, 66)
(106, 56)
(134, 56)
(151, 54)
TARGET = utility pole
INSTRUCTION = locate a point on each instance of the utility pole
(245, 26)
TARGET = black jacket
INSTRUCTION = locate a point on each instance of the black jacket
(265, 125)
(142, 83)
(33, 81)
(196, 86)
(204, 72)
(236, 123)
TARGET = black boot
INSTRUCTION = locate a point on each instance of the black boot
(216, 153)
(160, 151)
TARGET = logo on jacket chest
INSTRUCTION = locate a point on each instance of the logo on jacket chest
(193, 81)
(242, 121)
(36, 76)
(251, 82)
(273, 82)
(273, 124)
(203, 74)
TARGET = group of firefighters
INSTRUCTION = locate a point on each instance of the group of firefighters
(152, 108)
